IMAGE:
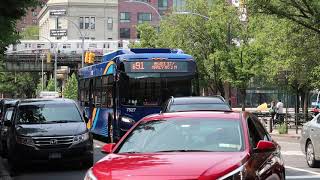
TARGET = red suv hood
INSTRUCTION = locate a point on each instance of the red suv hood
(182, 165)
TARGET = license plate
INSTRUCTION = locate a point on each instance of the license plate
(55, 156)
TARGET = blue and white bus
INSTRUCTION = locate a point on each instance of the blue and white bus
(131, 84)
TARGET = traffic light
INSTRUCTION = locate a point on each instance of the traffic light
(86, 59)
(48, 57)
(91, 57)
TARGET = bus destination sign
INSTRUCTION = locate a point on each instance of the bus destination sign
(157, 66)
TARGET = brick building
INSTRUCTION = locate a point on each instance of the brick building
(131, 14)
(30, 18)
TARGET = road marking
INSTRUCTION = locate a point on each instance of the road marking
(302, 177)
(292, 153)
(303, 170)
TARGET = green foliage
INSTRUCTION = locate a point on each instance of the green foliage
(148, 37)
(11, 11)
(71, 89)
(30, 33)
(302, 12)
(22, 85)
(282, 128)
(50, 86)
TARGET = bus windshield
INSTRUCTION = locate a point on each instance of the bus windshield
(152, 89)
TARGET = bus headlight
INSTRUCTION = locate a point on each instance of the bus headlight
(127, 120)
(90, 175)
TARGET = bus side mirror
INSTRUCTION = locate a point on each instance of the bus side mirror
(86, 119)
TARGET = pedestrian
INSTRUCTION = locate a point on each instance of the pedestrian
(273, 110)
(279, 114)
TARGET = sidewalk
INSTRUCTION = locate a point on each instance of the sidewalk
(4, 175)
(291, 133)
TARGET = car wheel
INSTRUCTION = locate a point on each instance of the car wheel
(310, 156)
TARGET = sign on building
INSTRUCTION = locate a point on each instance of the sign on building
(58, 32)
(58, 12)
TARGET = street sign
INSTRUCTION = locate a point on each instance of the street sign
(58, 12)
(58, 32)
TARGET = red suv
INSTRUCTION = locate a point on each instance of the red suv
(193, 145)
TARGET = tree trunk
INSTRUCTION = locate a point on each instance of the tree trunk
(243, 99)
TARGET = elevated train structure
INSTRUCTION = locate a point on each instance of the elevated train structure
(27, 55)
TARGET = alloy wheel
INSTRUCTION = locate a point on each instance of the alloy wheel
(310, 155)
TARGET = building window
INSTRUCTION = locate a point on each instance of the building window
(144, 17)
(81, 22)
(93, 23)
(163, 4)
(125, 33)
(124, 17)
(109, 23)
(86, 23)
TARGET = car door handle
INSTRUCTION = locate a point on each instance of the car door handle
(312, 129)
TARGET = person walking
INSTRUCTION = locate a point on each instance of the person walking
(272, 111)
(279, 114)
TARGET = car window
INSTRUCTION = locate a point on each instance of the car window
(261, 129)
(8, 114)
(254, 135)
(199, 107)
(201, 134)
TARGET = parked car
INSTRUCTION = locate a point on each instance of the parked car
(193, 145)
(180, 104)
(6, 115)
(45, 130)
(310, 141)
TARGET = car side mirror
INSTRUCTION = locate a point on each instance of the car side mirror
(265, 146)
(86, 119)
(107, 149)
(7, 123)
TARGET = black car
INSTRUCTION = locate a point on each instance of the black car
(180, 104)
(51, 130)
(6, 108)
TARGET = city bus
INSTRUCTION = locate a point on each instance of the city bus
(131, 84)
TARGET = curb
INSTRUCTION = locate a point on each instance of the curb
(286, 135)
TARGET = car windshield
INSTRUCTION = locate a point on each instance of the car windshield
(184, 135)
(48, 113)
(199, 107)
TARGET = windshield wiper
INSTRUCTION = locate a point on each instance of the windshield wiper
(130, 152)
(185, 150)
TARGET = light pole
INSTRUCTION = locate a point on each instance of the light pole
(145, 3)
(42, 80)
(55, 60)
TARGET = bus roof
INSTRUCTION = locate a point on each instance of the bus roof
(146, 54)
(107, 65)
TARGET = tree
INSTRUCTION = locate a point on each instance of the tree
(30, 33)
(50, 86)
(148, 37)
(71, 89)
(10, 12)
(303, 12)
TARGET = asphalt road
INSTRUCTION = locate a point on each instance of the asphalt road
(52, 172)
(296, 166)
(295, 162)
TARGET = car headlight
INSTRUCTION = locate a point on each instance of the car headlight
(28, 141)
(237, 174)
(80, 138)
(90, 175)
(127, 120)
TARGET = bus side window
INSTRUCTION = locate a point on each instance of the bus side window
(107, 87)
(97, 91)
